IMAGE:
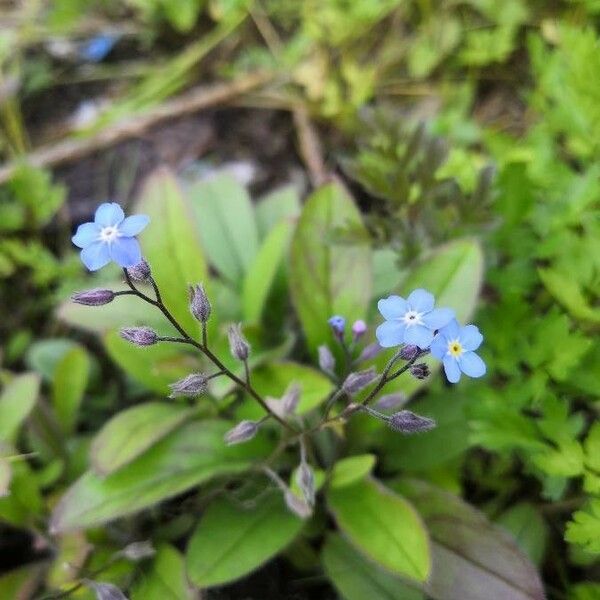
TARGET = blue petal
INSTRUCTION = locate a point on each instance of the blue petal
(472, 365)
(451, 369)
(392, 307)
(438, 318)
(126, 252)
(98, 47)
(419, 335)
(439, 346)
(390, 333)
(95, 256)
(470, 337)
(421, 300)
(86, 234)
(451, 331)
(109, 214)
(133, 225)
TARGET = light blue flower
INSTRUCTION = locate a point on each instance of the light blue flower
(411, 321)
(110, 237)
(454, 346)
(338, 324)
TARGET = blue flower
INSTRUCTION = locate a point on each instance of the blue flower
(411, 321)
(338, 324)
(110, 237)
(97, 48)
(454, 346)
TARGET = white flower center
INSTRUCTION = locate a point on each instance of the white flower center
(109, 234)
(412, 317)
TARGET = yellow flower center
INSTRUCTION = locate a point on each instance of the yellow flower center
(454, 348)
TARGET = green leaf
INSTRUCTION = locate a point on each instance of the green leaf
(131, 432)
(171, 244)
(231, 540)
(584, 529)
(262, 272)
(226, 219)
(383, 526)
(186, 458)
(273, 379)
(330, 271)
(68, 386)
(469, 554)
(357, 579)
(16, 402)
(24, 503)
(166, 579)
(21, 583)
(529, 529)
(182, 14)
(282, 204)
(349, 470)
(44, 355)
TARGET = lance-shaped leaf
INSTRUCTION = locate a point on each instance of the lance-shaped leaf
(17, 399)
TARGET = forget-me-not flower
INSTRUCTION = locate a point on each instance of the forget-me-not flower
(411, 321)
(110, 237)
(454, 346)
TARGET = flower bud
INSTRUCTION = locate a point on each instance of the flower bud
(289, 401)
(138, 551)
(242, 432)
(140, 336)
(140, 272)
(191, 385)
(357, 381)
(105, 591)
(239, 346)
(305, 478)
(326, 359)
(419, 371)
(370, 352)
(199, 303)
(409, 352)
(95, 297)
(298, 506)
(359, 328)
(406, 421)
(338, 325)
(391, 401)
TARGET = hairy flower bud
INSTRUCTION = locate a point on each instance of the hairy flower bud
(138, 551)
(289, 401)
(305, 478)
(95, 297)
(199, 303)
(140, 336)
(406, 421)
(298, 506)
(357, 381)
(140, 272)
(359, 328)
(394, 400)
(191, 385)
(242, 432)
(370, 352)
(338, 325)
(326, 359)
(419, 371)
(105, 591)
(409, 352)
(239, 346)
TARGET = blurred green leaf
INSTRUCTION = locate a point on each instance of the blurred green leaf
(282, 204)
(43, 356)
(116, 445)
(232, 540)
(383, 526)
(349, 470)
(584, 529)
(17, 400)
(186, 458)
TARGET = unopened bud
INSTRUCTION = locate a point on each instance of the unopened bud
(326, 359)
(391, 401)
(105, 591)
(305, 478)
(96, 297)
(242, 432)
(357, 381)
(338, 325)
(370, 352)
(138, 551)
(406, 421)
(139, 272)
(191, 385)
(199, 303)
(290, 400)
(409, 352)
(419, 371)
(359, 328)
(140, 336)
(240, 348)
(298, 506)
